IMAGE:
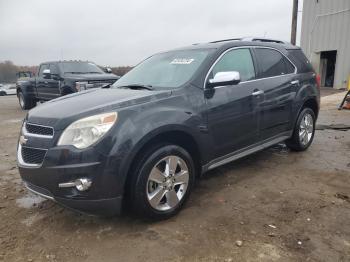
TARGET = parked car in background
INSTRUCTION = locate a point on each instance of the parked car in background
(7, 89)
(60, 78)
(142, 143)
(24, 74)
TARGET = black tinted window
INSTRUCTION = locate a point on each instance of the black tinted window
(239, 60)
(300, 60)
(272, 63)
(289, 66)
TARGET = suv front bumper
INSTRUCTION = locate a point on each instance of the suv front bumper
(100, 207)
(66, 164)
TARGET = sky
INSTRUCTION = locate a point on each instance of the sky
(121, 33)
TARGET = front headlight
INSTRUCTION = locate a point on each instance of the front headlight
(86, 131)
(80, 86)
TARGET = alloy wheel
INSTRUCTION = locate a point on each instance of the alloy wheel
(21, 100)
(306, 129)
(167, 183)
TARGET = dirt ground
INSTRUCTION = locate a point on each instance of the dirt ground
(275, 205)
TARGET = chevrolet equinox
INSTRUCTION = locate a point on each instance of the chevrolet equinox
(141, 142)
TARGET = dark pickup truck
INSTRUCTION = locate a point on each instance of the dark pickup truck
(60, 78)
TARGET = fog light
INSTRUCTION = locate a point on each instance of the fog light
(82, 184)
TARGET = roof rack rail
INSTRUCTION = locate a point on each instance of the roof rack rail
(226, 40)
(252, 39)
(263, 39)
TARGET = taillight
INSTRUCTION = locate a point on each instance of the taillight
(318, 81)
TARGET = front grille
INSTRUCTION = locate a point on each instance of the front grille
(33, 155)
(39, 130)
(102, 81)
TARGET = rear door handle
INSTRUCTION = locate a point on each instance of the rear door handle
(257, 93)
(295, 82)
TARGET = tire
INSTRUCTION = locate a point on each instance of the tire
(304, 131)
(24, 102)
(2, 93)
(154, 192)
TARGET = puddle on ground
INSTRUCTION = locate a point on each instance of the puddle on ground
(338, 127)
(29, 200)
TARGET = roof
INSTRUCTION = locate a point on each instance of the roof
(247, 41)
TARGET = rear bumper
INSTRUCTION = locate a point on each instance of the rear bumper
(100, 207)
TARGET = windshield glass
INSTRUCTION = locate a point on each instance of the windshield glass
(166, 70)
(80, 68)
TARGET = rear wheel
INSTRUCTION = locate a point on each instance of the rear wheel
(24, 102)
(163, 182)
(304, 131)
(2, 93)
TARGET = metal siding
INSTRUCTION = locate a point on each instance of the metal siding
(330, 33)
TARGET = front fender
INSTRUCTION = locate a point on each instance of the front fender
(139, 127)
(28, 88)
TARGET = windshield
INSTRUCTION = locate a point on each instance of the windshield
(166, 70)
(80, 68)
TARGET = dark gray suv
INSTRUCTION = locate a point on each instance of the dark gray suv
(142, 142)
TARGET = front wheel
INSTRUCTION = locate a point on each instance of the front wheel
(162, 182)
(304, 131)
(24, 102)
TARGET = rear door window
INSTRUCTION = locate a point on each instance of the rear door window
(272, 63)
(239, 60)
(290, 69)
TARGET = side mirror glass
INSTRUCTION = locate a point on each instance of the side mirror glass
(225, 79)
(47, 73)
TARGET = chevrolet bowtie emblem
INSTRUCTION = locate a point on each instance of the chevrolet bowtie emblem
(23, 140)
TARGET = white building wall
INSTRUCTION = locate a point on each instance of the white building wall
(326, 27)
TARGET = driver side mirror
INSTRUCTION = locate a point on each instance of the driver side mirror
(108, 70)
(47, 73)
(225, 79)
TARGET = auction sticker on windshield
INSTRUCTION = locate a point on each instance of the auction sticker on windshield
(182, 61)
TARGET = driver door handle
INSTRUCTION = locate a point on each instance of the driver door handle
(257, 93)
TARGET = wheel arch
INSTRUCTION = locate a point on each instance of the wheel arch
(312, 104)
(178, 137)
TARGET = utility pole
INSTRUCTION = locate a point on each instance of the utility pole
(293, 38)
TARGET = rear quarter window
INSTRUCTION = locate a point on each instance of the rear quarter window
(272, 63)
(299, 59)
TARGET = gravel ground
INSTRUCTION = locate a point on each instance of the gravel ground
(275, 205)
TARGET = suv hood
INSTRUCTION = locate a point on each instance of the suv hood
(88, 77)
(60, 112)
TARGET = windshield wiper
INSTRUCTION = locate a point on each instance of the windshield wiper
(79, 73)
(137, 86)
